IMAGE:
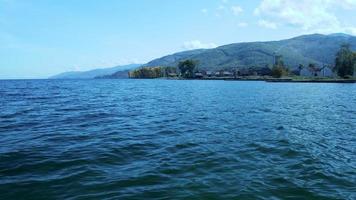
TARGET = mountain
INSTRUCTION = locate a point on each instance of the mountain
(117, 75)
(95, 73)
(318, 49)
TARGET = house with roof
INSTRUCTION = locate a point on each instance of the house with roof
(198, 75)
(316, 72)
(227, 74)
(172, 75)
(209, 74)
(243, 72)
(217, 74)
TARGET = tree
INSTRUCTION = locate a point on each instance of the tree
(277, 72)
(314, 68)
(345, 61)
(278, 60)
(300, 67)
(187, 68)
(278, 69)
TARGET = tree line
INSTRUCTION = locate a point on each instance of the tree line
(185, 69)
(345, 64)
(152, 72)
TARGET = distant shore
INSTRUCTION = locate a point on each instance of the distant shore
(274, 80)
(311, 80)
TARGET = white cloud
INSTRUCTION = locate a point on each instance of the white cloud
(77, 68)
(221, 7)
(351, 30)
(220, 10)
(242, 24)
(308, 15)
(236, 10)
(267, 24)
(227, 8)
(196, 44)
(204, 10)
(347, 4)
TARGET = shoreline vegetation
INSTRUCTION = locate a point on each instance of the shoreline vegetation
(343, 71)
(267, 79)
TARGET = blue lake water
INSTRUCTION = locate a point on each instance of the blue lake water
(161, 139)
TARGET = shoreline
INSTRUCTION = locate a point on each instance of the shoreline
(273, 80)
(311, 81)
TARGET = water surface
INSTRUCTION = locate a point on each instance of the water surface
(159, 139)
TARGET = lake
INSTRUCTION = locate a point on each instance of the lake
(165, 139)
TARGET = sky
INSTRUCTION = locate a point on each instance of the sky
(40, 38)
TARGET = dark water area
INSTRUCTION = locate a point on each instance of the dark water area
(159, 139)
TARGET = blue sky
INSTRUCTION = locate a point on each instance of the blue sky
(40, 38)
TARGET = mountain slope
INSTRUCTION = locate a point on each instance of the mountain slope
(318, 49)
(117, 75)
(94, 73)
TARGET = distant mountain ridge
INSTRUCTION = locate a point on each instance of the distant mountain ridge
(95, 73)
(316, 48)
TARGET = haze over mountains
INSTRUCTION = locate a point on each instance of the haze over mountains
(94, 73)
(317, 49)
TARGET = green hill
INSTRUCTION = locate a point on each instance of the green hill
(318, 49)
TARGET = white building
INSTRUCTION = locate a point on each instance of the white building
(317, 72)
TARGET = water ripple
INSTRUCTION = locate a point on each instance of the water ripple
(156, 139)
